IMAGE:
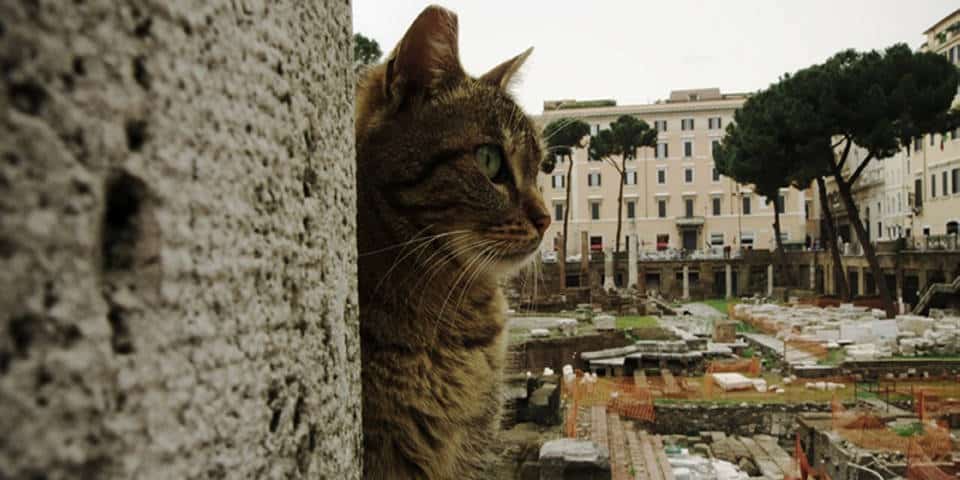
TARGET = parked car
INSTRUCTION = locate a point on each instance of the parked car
(548, 256)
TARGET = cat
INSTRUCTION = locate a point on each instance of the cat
(447, 206)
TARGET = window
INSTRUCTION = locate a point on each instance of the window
(746, 239)
(686, 124)
(663, 241)
(688, 207)
(713, 147)
(716, 239)
(716, 206)
(806, 210)
(558, 181)
(746, 205)
(917, 144)
(926, 231)
(955, 173)
(660, 125)
(631, 209)
(918, 192)
(781, 203)
(662, 151)
(688, 175)
(662, 208)
(593, 179)
(630, 177)
(945, 184)
(688, 149)
(596, 243)
(661, 176)
(714, 123)
(931, 139)
(716, 174)
(558, 211)
(595, 210)
(933, 186)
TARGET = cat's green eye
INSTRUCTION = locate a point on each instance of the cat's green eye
(491, 163)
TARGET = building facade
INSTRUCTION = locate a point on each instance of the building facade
(673, 197)
(935, 168)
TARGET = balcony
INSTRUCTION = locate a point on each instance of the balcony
(689, 222)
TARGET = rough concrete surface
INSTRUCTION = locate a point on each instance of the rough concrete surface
(177, 254)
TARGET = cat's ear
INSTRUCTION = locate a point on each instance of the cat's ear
(502, 74)
(427, 58)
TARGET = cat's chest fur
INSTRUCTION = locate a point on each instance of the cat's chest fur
(431, 407)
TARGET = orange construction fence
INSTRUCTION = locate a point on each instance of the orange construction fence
(619, 394)
(870, 431)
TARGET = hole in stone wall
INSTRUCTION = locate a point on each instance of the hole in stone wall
(140, 73)
(22, 333)
(309, 180)
(120, 336)
(143, 27)
(125, 198)
(136, 134)
(297, 412)
(28, 97)
(78, 67)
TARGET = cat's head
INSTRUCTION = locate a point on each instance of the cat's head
(447, 155)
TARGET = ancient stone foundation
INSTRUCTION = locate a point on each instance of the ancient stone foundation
(177, 254)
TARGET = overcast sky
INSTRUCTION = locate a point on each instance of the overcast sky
(637, 51)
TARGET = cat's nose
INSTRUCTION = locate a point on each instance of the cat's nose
(541, 220)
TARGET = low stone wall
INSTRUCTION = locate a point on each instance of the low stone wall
(913, 368)
(535, 354)
(778, 420)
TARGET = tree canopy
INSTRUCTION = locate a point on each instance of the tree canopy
(561, 136)
(366, 51)
(625, 135)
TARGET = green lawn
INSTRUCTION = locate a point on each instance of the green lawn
(720, 304)
(636, 321)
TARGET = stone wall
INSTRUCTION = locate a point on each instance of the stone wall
(778, 420)
(177, 254)
(535, 354)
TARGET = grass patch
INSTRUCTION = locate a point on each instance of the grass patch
(719, 304)
(745, 328)
(835, 356)
(636, 321)
(909, 430)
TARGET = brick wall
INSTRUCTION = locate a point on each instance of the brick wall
(177, 255)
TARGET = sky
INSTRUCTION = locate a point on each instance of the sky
(638, 51)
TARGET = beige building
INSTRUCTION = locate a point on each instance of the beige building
(674, 199)
(935, 169)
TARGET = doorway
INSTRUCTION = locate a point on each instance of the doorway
(690, 240)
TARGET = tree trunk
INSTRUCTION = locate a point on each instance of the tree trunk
(864, 239)
(566, 217)
(623, 176)
(781, 255)
(844, 292)
(566, 208)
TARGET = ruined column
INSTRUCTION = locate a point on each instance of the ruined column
(632, 256)
(922, 278)
(728, 280)
(686, 282)
(585, 259)
(608, 282)
(813, 274)
(744, 280)
(899, 288)
(770, 280)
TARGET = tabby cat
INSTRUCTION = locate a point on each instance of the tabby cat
(448, 205)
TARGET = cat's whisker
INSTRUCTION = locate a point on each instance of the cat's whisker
(424, 242)
(416, 238)
(431, 270)
(492, 254)
(470, 264)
